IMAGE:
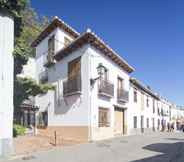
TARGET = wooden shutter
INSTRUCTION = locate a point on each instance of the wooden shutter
(74, 68)
(103, 117)
(120, 83)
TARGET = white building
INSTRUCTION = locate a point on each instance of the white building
(6, 83)
(94, 97)
(92, 83)
(144, 113)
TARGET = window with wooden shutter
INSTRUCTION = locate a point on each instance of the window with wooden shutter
(103, 117)
(120, 83)
(51, 46)
(74, 68)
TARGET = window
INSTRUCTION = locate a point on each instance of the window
(147, 101)
(103, 117)
(142, 121)
(66, 41)
(135, 95)
(120, 87)
(153, 106)
(74, 68)
(158, 124)
(120, 83)
(158, 111)
(153, 124)
(147, 122)
(135, 121)
(51, 45)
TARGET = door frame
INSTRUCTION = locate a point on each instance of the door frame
(123, 113)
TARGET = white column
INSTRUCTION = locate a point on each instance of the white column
(6, 83)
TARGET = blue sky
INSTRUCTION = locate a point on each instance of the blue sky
(149, 34)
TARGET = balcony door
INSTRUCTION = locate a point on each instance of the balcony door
(74, 68)
(120, 86)
(120, 83)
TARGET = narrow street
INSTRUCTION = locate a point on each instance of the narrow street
(155, 147)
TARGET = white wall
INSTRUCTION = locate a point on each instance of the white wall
(6, 83)
(96, 57)
(71, 110)
(139, 109)
(42, 49)
(81, 109)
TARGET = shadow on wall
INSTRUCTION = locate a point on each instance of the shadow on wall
(169, 152)
(66, 104)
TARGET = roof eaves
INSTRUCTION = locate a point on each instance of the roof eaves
(140, 85)
(56, 22)
(86, 36)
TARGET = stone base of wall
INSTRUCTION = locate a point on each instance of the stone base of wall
(6, 147)
(70, 133)
(102, 133)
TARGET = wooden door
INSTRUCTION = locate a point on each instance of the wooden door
(118, 122)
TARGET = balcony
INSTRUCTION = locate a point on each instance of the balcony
(105, 88)
(72, 86)
(122, 95)
(43, 77)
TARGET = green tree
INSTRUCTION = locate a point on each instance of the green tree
(32, 25)
(28, 25)
(14, 8)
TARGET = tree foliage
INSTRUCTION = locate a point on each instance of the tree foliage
(28, 24)
(27, 87)
(14, 8)
(32, 24)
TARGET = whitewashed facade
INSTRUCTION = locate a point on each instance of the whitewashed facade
(95, 109)
(80, 111)
(6, 83)
(144, 113)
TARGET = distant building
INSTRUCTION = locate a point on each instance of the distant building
(6, 83)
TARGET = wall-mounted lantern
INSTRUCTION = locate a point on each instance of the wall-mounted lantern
(100, 70)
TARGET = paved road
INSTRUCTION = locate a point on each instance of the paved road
(156, 147)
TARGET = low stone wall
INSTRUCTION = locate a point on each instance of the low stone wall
(73, 133)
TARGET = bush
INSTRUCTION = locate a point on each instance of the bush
(18, 130)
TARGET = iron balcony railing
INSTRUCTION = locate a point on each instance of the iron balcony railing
(122, 95)
(72, 86)
(106, 88)
(43, 77)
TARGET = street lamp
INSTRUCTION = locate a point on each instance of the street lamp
(100, 70)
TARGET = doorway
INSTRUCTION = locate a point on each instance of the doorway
(119, 121)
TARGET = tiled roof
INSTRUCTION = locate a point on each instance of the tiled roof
(56, 22)
(138, 84)
(95, 41)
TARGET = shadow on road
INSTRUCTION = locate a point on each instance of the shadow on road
(169, 152)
